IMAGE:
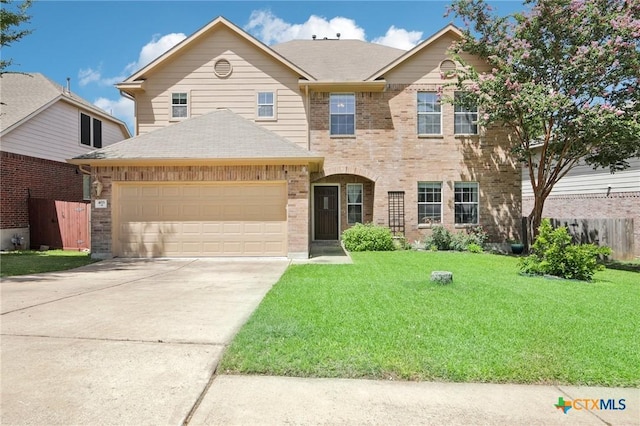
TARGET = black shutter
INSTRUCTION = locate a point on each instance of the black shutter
(85, 129)
(97, 133)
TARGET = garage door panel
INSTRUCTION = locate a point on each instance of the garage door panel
(201, 219)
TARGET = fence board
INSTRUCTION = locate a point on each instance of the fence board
(59, 224)
(615, 233)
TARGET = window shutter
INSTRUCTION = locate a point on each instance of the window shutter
(97, 133)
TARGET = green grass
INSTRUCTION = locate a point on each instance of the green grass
(34, 262)
(382, 318)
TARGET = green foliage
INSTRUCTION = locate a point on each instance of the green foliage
(400, 242)
(442, 239)
(35, 262)
(554, 254)
(368, 237)
(474, 248)
(8, 20)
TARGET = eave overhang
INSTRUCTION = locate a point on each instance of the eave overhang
(344, 86)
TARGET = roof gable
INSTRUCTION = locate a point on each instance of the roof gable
(25, 95)
(198, 35)
(449, 29)
(218, 135)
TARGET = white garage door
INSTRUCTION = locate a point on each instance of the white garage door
(221, 219)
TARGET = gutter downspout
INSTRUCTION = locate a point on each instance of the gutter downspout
(306, 90)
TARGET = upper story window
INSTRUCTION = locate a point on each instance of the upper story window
(465, 116)
(266, 105)
(429, 202)
(466, 202)
(179, 105)
(354, 203)
(429, 114)
(342, 111)
(90, 131)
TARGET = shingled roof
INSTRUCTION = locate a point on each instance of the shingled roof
(26, 94)
(338, 60)
(218, 135)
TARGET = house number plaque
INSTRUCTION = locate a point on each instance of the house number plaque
(101, 204)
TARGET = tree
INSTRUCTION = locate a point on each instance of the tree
(10, 22)
(564, 79)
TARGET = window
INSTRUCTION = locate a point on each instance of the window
(266, 105)
(465, 116)
(179, 106)
(90, 131)
(466, 202)
(429, 115)
(429, 202)
(342, 111)
(354, 203)
(86, 187)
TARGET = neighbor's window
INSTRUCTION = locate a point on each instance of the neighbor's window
(86, 187)
(429, 114)
(354, 203)
(465, 116)
(466, 202)
(266, 105)
(179, 105)
(90, 131)
(429, 202)
(342, 111)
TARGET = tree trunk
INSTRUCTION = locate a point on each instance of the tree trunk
(535, 217)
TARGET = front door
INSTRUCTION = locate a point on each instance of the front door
(325, 200)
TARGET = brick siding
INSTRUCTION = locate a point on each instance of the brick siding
(22, 177)
(387, 151)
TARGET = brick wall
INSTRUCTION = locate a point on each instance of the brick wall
(593, 206)
(22, 177)
(387, 151)
(297, 178)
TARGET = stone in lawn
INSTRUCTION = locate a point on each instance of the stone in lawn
(442, 277)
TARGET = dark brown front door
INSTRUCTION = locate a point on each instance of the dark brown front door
(325, 201)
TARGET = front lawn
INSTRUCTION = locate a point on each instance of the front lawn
(382, 318)
(35, 262)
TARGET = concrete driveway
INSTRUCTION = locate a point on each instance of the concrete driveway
(122, 341)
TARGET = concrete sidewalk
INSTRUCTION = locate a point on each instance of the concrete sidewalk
(265, 400)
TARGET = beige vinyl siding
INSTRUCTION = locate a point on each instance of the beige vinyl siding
(584, 180)
(54, 134)
(193, 71)
(424, 66)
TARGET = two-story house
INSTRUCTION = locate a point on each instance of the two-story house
(42, 124)
(246, 149)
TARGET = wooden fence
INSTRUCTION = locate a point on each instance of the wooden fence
(59, 224)
(615, 233)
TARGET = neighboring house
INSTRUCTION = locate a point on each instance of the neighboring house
(585, 193)
(246, 149)
(41, 125)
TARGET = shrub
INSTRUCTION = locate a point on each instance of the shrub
(554, 254)
(368, 237)
(440, 238)
(474, 248)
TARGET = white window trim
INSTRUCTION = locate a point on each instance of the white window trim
(418, 113)
(344, 135)
(456, 113)
(275, 105)
(477, 203)
(171, 117)
(428, 225)
(361, 203)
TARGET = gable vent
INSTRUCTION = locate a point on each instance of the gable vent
(222, 68)
(447, 68)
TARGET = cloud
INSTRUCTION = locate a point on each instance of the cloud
(121, 108)
(88, 75)
(156, 47)
(399, 38)
(272, 30)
